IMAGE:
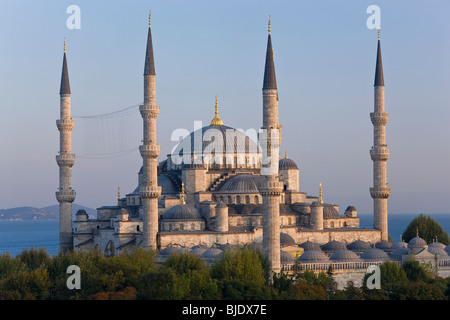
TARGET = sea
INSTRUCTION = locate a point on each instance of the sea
(16, 236)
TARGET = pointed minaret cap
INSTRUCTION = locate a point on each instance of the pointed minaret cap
(65, 86)
(149, 68)
(270, 81)
(379, 79)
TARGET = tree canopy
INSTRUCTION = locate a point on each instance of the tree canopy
(427, 228)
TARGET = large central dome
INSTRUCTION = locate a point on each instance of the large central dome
(215, 140)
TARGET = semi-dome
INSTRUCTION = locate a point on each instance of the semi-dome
(308, 245)
(329, 211)
(286, 240)
(344, 255)
(286, 258)
(359, 245)
(374, 254)
(182, 212)
(333, 245)
(167, 186)
(215, 138)
(313, 256)
(242, 183)
(287, 164)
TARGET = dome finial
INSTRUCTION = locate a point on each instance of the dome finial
(379, 34)
(150, 18)
(285, 154)
(320, 193)
(118, 195)
(182, 201)
(216, 120)
(64, 45)
(269, 25)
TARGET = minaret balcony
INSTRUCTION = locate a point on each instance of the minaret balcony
(150, 191)
(149, 110)
(380, 192)
(65, 160)
(270, 188)
(65, 124)
(379, 154)
(379, 118)
(149, 150)
(65, 196)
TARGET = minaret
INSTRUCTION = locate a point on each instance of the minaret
(149, 190)
(270, 186)
(65, 159)
(379, 153)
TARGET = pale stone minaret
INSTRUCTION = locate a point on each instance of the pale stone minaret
(65, 159)
(149, 190)
(270, 186)
(379, 153)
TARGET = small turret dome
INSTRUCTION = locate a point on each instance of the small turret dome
(417, 243)
(286, 240)
(286, 258)
(287, 164)
(329, 211)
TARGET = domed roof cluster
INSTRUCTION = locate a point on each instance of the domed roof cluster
(182, 212)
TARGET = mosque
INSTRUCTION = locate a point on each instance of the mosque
(219, 188)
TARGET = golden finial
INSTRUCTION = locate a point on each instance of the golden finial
(118, 194)
(320, 193)
(182, 194)
(269, 24)
(378, 33)
(149, 18)
(285, 154)
(216, 121)
(64, 45)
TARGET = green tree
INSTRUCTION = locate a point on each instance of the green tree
(427, 228)
(162, 284)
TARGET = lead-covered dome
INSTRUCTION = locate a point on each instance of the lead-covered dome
(242, 183)
(313, 256)
(286, 258)
(329, 211)
(375, 254)
(215, 138)
(359, 245)
(344, 255)
(309, 245)
(333, 246)
(286, 240)
(287, 164)
(182, 212)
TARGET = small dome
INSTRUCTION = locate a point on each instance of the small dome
(329, 211)
(417, 243)
(398, 253)
(242, 183)
(286, 258)
(359, 245)
(227, 246)
(313, 256)
(398, 245)
(308, 245)
(199, 250)
(345, 255)
(437, 245)
(384, 245)
(182, 212)
(212, 253)
(81, 211)
(286, 240)
(350, 208)
(374, 254)
(168, 251)
(333, 246)
(438, 251)
(447, 249)
(286, 164)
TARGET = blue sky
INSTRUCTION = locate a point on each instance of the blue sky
(324, 60)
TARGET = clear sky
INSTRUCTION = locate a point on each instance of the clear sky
(325, 63)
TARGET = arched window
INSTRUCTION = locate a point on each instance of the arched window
(247, 199)
(193, 226)
(137, 228)
(256, 200)
(181, 226)
(229, 200)
(238, 200)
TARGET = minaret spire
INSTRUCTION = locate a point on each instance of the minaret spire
(149, 190)
(270, 138)
(379, 152)
(65, 160)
